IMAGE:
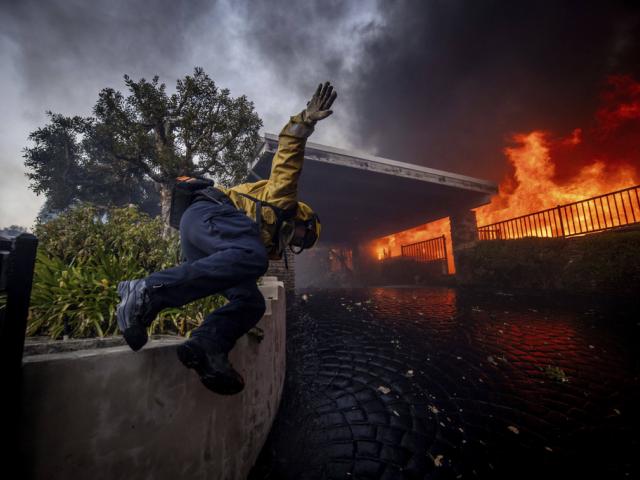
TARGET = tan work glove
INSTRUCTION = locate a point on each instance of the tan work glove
(319, 105)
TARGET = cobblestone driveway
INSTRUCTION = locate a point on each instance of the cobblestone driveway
(436, 383)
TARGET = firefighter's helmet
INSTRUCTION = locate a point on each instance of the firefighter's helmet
(311, 222)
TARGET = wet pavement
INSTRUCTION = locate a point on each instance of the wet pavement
(433, 382)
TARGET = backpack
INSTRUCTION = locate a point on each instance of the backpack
(186, 188)
(182, 194)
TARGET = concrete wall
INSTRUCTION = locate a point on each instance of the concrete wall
(111, 413)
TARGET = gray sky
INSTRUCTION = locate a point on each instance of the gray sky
(57, 55)
(442, 84)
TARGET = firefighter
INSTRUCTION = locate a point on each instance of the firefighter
(228, 236)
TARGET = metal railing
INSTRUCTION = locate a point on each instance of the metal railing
(595, 214)
(432, 250)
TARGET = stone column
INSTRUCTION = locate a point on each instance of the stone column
(277, 269)
(356, 262)
(464, 235)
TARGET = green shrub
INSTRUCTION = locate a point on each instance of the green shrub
(83, 254)
(603, 263)
(86, 232)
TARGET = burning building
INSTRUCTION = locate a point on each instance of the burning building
(569, 180)
(376, 209)
(361, 197)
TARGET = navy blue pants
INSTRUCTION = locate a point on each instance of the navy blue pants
(224, 254)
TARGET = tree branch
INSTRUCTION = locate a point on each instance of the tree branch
(138, 162)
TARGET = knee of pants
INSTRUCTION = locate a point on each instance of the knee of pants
(259, 306)
(253, 304)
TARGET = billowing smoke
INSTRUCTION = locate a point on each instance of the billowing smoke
(442, 84)
(62, 48)
(445, 84)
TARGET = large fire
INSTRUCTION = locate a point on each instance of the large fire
(550, 171)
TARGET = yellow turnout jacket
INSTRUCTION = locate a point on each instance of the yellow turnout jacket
(281, 189)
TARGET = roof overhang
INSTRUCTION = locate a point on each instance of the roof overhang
(360, 197)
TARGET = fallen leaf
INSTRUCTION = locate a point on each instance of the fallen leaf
(555, 373)
(513, 429)
(384, 389)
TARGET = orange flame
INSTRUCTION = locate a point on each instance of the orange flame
(600, 159)
(389, 246)
(536, 189)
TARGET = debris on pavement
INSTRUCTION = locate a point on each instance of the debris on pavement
(555, 373)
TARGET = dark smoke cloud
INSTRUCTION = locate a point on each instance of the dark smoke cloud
(445, 83)
(298, 37)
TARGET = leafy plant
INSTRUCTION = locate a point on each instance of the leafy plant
(82, 256)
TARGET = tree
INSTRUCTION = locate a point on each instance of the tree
(66, 170)
(54, 160)
(143, 140)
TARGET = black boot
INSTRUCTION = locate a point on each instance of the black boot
(212, 365)
(134, 312)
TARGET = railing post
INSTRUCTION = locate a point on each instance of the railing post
(20, 276)
(446, 258)
(561, 221)
(17, 262)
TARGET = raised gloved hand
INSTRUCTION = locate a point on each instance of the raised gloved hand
(319, 105)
